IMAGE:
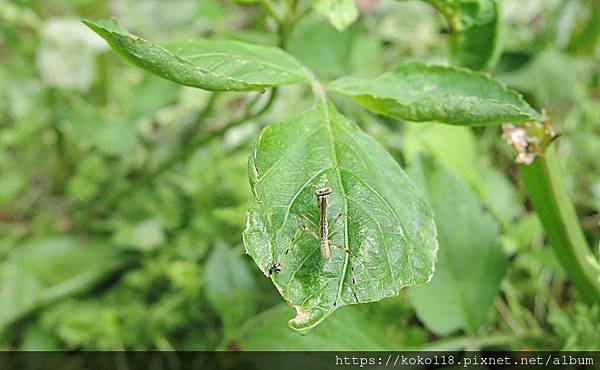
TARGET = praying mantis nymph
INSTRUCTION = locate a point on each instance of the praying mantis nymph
(322, 194)
(322, 207)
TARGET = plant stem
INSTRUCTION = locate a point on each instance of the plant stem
(189, 148)
(192, 145)
(544, 182)
(270, 8)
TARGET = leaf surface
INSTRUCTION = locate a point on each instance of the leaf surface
(385, 224)
(422, 92)
(206, 64)
(471, 263)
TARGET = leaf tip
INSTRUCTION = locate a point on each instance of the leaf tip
(306, 319)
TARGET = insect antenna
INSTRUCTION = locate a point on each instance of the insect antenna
(342, 156)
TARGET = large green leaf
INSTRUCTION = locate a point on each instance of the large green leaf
(471, 263)
(206, 64)
(41, 271)
(384, 222)
(340, 13)
(421, 92)
(474, 25)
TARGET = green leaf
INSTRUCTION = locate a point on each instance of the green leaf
(42, 271)
(381, 218)
(340, 13)
(206, 64)
(474, 24)
(471, 263)
(230, 286)
(499, 194)
(347, 330)
(463, 14)
(421, 92)
(441, 142)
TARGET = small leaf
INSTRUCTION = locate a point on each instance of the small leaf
(474, 26)
(206, 64)
(381, 218)
(463, 14)
(347, 330)
(41, 271)
(421, 92)
(477, 47)
(340, 13)
(471, 263)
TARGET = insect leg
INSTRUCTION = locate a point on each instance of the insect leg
(302, 228)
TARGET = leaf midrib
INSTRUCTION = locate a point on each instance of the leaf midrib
(240, 58)
(326, 116)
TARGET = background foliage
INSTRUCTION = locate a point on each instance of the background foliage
(123, 196)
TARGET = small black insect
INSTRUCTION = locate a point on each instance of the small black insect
(276, 267)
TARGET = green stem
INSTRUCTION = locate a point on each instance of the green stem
(270, 8)
(188, 149)
(193, 145)
(544, 182)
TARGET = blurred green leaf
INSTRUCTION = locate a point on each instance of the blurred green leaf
(41, 271)
(471, 263)
(463, 14)
(322, 48)
(347, 330)
(478, 46)
(206, 64)
(454, 146)
(145, 235)
(420, 92)
(474, 42)
(230, 286)
(585, 38)
(385, 223)
(340, 13)
(499, 195)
